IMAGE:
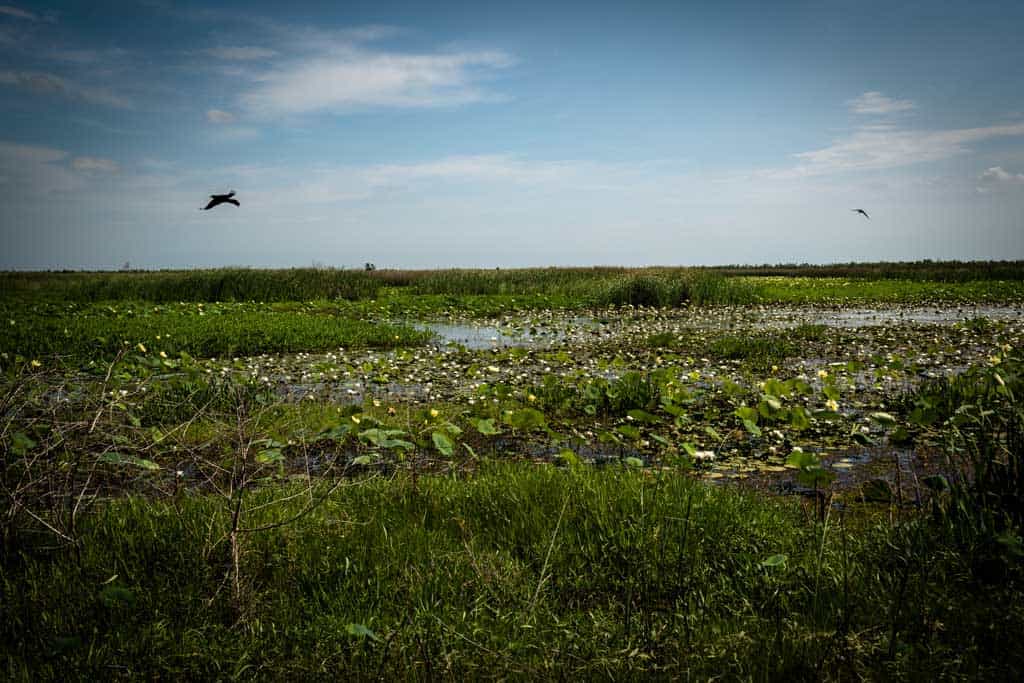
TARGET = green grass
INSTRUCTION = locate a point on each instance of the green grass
(225, 284)
(509, 289)
(927, 270)
(837, 290)
(93, 331)
(518, 571)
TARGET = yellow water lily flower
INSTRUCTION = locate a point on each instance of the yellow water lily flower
(832, 405)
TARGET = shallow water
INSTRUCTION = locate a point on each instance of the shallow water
(524, 332)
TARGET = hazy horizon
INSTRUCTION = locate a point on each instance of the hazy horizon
(513, 135)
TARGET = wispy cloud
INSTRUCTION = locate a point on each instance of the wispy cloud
(868, 149)
(91, 164)
(484, 167)
(30, 170)
(18, 13)
(80, 56)
(30, 154)
(219, 116)
(241, 53)
(997, 178)
(874, 102)
(354, 79)
(49, 84)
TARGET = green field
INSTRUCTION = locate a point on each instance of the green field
(777, 472)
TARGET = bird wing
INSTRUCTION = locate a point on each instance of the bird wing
(213, 203)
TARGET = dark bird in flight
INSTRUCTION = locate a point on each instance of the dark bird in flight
(863, 212)
(217, 199)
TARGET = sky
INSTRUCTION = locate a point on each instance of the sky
(478, 134)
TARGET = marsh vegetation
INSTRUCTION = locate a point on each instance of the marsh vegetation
(530, 473)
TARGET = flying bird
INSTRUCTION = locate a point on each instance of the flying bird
(863, 212)
(218, 199)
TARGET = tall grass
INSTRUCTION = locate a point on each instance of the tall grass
(517, 571)
(927, 270)
(672, 288)
(226, 284)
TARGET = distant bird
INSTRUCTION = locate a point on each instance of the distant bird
(217, 199)
(862, 212)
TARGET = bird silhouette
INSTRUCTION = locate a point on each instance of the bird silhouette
(863, 212)
(217, 199)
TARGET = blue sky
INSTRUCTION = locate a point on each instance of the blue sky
(515, 134)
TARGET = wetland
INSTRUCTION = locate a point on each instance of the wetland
(609, 472)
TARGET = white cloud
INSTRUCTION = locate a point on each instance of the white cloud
(875, 102)
(114, 55)
(219, 116)
(50, 84)
(32, 170)
(486, 167)
(352, 79)
(89, 164)
(871, 149)
(18, 13)
(997, 177)
(30, 154)
(232, 133)
(241, 53)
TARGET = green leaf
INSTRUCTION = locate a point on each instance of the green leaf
(269, 455)
(363, 460)
(747, 414)
(526, 419)
(384, 438)
(775, 387)
(568, 457)
(799, 418)
(628, 431)
(116, 458)
(802, 460)
(633, 462)
(862, 438)
(486, 427)
(361, 631)
(643, 416)
(442, 443)
(884, 419)
(21, 443)
(775, 561)
(815, 476)
(336, 433)
(752, 427)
